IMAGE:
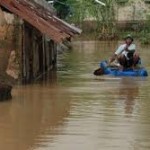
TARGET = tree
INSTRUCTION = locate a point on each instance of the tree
(105, 16)
(62, 8)
(80, 10)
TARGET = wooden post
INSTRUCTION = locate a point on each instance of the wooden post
(5, 92)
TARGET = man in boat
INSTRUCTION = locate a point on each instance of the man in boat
(126, 54)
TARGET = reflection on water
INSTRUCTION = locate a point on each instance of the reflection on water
(129, 91)
(36, 113)
(73, 109)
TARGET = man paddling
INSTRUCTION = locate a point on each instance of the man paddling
(126, 54)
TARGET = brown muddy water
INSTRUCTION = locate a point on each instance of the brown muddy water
(74, 110)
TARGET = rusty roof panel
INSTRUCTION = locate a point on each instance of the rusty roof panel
(44, 20)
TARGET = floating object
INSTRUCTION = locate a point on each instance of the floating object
(115, 71)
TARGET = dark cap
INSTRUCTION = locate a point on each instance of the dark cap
(129, 37)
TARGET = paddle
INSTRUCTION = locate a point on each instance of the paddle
(98, 72)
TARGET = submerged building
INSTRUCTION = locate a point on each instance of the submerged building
(34, 36)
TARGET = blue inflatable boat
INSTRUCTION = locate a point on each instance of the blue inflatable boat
(126, 72)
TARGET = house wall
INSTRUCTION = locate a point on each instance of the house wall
(35, 53)
(6, 25)
(38, 54)
(6, 42)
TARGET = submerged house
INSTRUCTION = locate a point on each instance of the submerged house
(37, 32)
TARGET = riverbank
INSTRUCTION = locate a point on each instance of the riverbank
(142, 37)
(140, 30)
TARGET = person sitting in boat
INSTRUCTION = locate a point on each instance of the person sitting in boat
(126, 54)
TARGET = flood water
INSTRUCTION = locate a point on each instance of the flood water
(74, 110)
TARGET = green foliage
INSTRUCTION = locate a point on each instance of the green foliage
(62, 8)
(104, 16)
(144, 37)
(78, 11)
(145, 33)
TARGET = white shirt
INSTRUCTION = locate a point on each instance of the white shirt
(121, 49)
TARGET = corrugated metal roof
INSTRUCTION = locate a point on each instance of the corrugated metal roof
(43, 19)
